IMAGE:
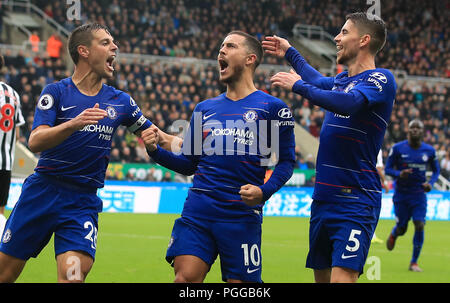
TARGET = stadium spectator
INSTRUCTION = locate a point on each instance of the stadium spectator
(167, 177)
(34, 41)
(2, 15)
(445, 165)
(54, 46)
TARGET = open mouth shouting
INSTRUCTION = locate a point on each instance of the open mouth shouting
(223, 66)
(110, 62)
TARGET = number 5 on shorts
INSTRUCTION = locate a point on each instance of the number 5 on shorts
(355, 241)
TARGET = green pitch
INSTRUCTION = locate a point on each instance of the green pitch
(131, 248)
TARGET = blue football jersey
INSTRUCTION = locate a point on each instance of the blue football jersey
(231, 143)
(347, 155)
(84, 156)
(403, 156)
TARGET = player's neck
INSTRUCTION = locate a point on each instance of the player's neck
(414, 143)
(361, 63)
(240, 89)
(87, 82)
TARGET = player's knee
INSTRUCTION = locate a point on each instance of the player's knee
(10, 268)
(419, 225)
(182, 278)
(401, 230)
(186, 277)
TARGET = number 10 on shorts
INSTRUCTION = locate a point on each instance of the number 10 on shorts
(251, 255)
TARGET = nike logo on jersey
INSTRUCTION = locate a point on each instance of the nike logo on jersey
(347, 257)
(249, 271)
(206, 117)
(67, 108)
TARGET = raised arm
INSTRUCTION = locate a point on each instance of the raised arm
(280, 47)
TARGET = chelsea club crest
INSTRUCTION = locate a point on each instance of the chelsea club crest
(250, 116)
(111, 112)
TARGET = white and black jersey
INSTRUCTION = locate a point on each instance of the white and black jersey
(10, 118)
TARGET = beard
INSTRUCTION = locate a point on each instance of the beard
(346, 57)
(236, 75)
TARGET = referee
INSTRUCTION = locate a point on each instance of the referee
(10, 120)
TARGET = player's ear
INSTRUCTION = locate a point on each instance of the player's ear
(365, 40)
(251, 59)
(83, 51)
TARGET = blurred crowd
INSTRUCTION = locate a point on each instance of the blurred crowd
(169, 92)
(418, 40)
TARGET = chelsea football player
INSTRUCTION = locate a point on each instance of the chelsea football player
(74, 122)
(226, 148)
(347, 193)
(407, 164)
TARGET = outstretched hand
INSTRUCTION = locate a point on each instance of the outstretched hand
(285, 80)
(274, 45)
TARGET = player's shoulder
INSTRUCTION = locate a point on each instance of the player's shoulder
(401, 144)
(382, 75)
(269, 100)
(210, 102)
(428, 147)
(116, 94)
(59, 85)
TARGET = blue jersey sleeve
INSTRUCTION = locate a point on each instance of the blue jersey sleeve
(390, 168)
(377, 87)
(434, 164)
(134, 119)
(284, 145)
(47, 106)
(306, 71)
(334, 101)
(178, 163)
(184, 163)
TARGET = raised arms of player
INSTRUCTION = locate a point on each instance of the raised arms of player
(45, 137)
(280, 47)
(365, 92)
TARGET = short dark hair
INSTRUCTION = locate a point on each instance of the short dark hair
(82, 35)
(374, 26)
(2, 61)
(253, 45)
(416, 121)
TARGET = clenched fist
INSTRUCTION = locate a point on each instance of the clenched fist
(251, 195)
(150, 136)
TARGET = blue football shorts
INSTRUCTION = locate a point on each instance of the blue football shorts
(45, 207)
(340, 234)
(238, 245)
(407, 207)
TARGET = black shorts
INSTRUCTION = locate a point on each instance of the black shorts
(5, 182)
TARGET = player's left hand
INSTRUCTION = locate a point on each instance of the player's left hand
(285, 80)
(251, 195)
(150, 136)
(426, 187)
